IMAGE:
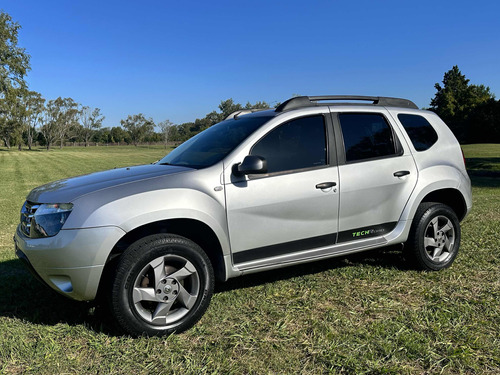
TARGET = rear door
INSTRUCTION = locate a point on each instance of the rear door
(376, 170)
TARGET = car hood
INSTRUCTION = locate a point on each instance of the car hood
(67, 190)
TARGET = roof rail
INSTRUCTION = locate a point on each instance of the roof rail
(309, 101)
(241, 112)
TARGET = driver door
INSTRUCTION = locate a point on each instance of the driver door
(294, 206)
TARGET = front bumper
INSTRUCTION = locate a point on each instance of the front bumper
(71, 262)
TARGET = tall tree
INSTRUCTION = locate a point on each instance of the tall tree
(456, 101)
(12, 117)
(138, 127)
(20, 115)
(35, 107)
(63, 114)
(91, 120)
(48, 128)
(14, 65)
(165, 127)
(60, 119)
(14, 61)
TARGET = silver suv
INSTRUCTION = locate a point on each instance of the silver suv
(317, 177)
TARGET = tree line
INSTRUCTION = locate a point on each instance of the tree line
(32, 121)
(137, 128)
(26, 118)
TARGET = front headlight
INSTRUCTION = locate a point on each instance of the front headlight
(49, 218)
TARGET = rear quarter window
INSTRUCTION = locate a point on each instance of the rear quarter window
(420, 131)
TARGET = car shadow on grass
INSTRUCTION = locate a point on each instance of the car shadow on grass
(481, 180)
(24, 297)
(483, 164)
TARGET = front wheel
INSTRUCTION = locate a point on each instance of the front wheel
(163, 284)
(434, 237)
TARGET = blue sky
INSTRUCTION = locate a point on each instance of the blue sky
(178, 59)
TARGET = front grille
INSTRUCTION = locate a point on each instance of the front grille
(27, 213)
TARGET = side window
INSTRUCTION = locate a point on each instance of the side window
(297, 144)
(366, 136)
(421, 133)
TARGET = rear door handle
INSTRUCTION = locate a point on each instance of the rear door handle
(401, 173)
(326, 185)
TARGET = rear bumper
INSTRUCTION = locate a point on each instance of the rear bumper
(466, 188)
(71, 262)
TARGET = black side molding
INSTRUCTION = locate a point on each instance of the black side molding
(285, 248)
(313, 242)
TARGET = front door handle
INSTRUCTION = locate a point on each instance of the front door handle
(401, 173)
(326, 185)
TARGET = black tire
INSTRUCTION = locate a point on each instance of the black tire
(434, 237)
(148, 301)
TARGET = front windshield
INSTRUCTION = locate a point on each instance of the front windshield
(213, 144)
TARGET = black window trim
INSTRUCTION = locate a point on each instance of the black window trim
(339, 138)
(331, 157)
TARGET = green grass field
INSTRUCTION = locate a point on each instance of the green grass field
(367, 313)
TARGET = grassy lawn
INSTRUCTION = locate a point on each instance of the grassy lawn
(367, 313)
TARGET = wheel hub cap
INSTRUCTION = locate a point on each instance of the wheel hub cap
(167, 290)
(439, 239)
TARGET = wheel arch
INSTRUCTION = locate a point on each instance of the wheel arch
(193, 229)
(450, 197)
(441, 184)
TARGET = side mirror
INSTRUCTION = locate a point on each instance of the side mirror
(252, 164)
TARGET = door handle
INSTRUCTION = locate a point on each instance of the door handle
(401, 173)
(326, 185)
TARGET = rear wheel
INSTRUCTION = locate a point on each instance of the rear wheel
(163, 284)
(434, 238)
